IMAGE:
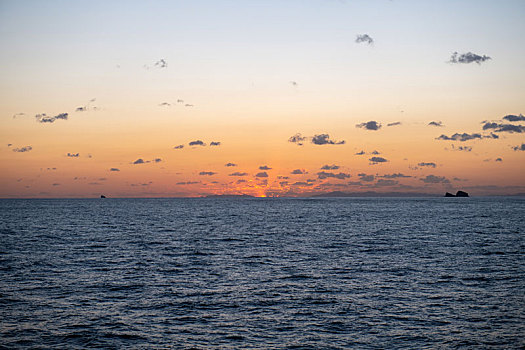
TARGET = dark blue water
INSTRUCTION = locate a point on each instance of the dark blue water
(263, 273)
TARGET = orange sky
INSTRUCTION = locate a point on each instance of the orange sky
(250, 79)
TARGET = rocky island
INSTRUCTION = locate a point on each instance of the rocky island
(458, 194)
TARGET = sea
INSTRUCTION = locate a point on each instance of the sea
(256, 273)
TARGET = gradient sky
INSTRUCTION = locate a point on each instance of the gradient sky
(251, 75)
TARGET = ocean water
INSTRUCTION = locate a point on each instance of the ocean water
(364, 273)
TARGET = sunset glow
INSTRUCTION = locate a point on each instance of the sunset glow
(268, 99)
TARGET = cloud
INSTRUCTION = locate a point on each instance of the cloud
(468, 57)
(330, 167)
(207, 173)
(161, 63)
(140, 184)
(188, 183)
(498, 160)
(376, 160)
(18, 115)
(371, 125)
(364, 38)
(504, 127)
(164, 104)
(462, 148)
(360, 153)
(514, 118)
(394, 124)
(197, 143)
(393, 176)
(298, 172)
(264, 167)
(188, 105)
(438, 124)
(237, 173)
(366, 178)
(297, 138)
(139, 161)
(142, 161)
(178, 147)
(157, 160)
(519, 147)
(302, 183)
(215, 143)
(433, 179)
(375, 152)
(230, 164)
(324, 175)
(73, 155)
(383, 182)
(430, 164)
(459, 179)
(114, 169)
(460, 137)
(23, 149)
(262, 174)
(87, 106)
(320, 139)
(43, 118)
(324, 139)
(294, 83)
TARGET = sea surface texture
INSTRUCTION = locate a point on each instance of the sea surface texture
(363, 273)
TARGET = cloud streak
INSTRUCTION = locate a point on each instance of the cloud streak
(376, 160)
(514, 118)
(197, 143)
(425, 164)
(22, 149)
(371, 125)
(319, 139)
(468, 57)
(44, 118)
(364, 38)
(394, 124)
(325, 175)
(324, 139)
(142, 161)
(433, 179)
(330, 167)
(500, 127)
(466, 137)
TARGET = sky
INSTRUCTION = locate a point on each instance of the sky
(264, 98)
